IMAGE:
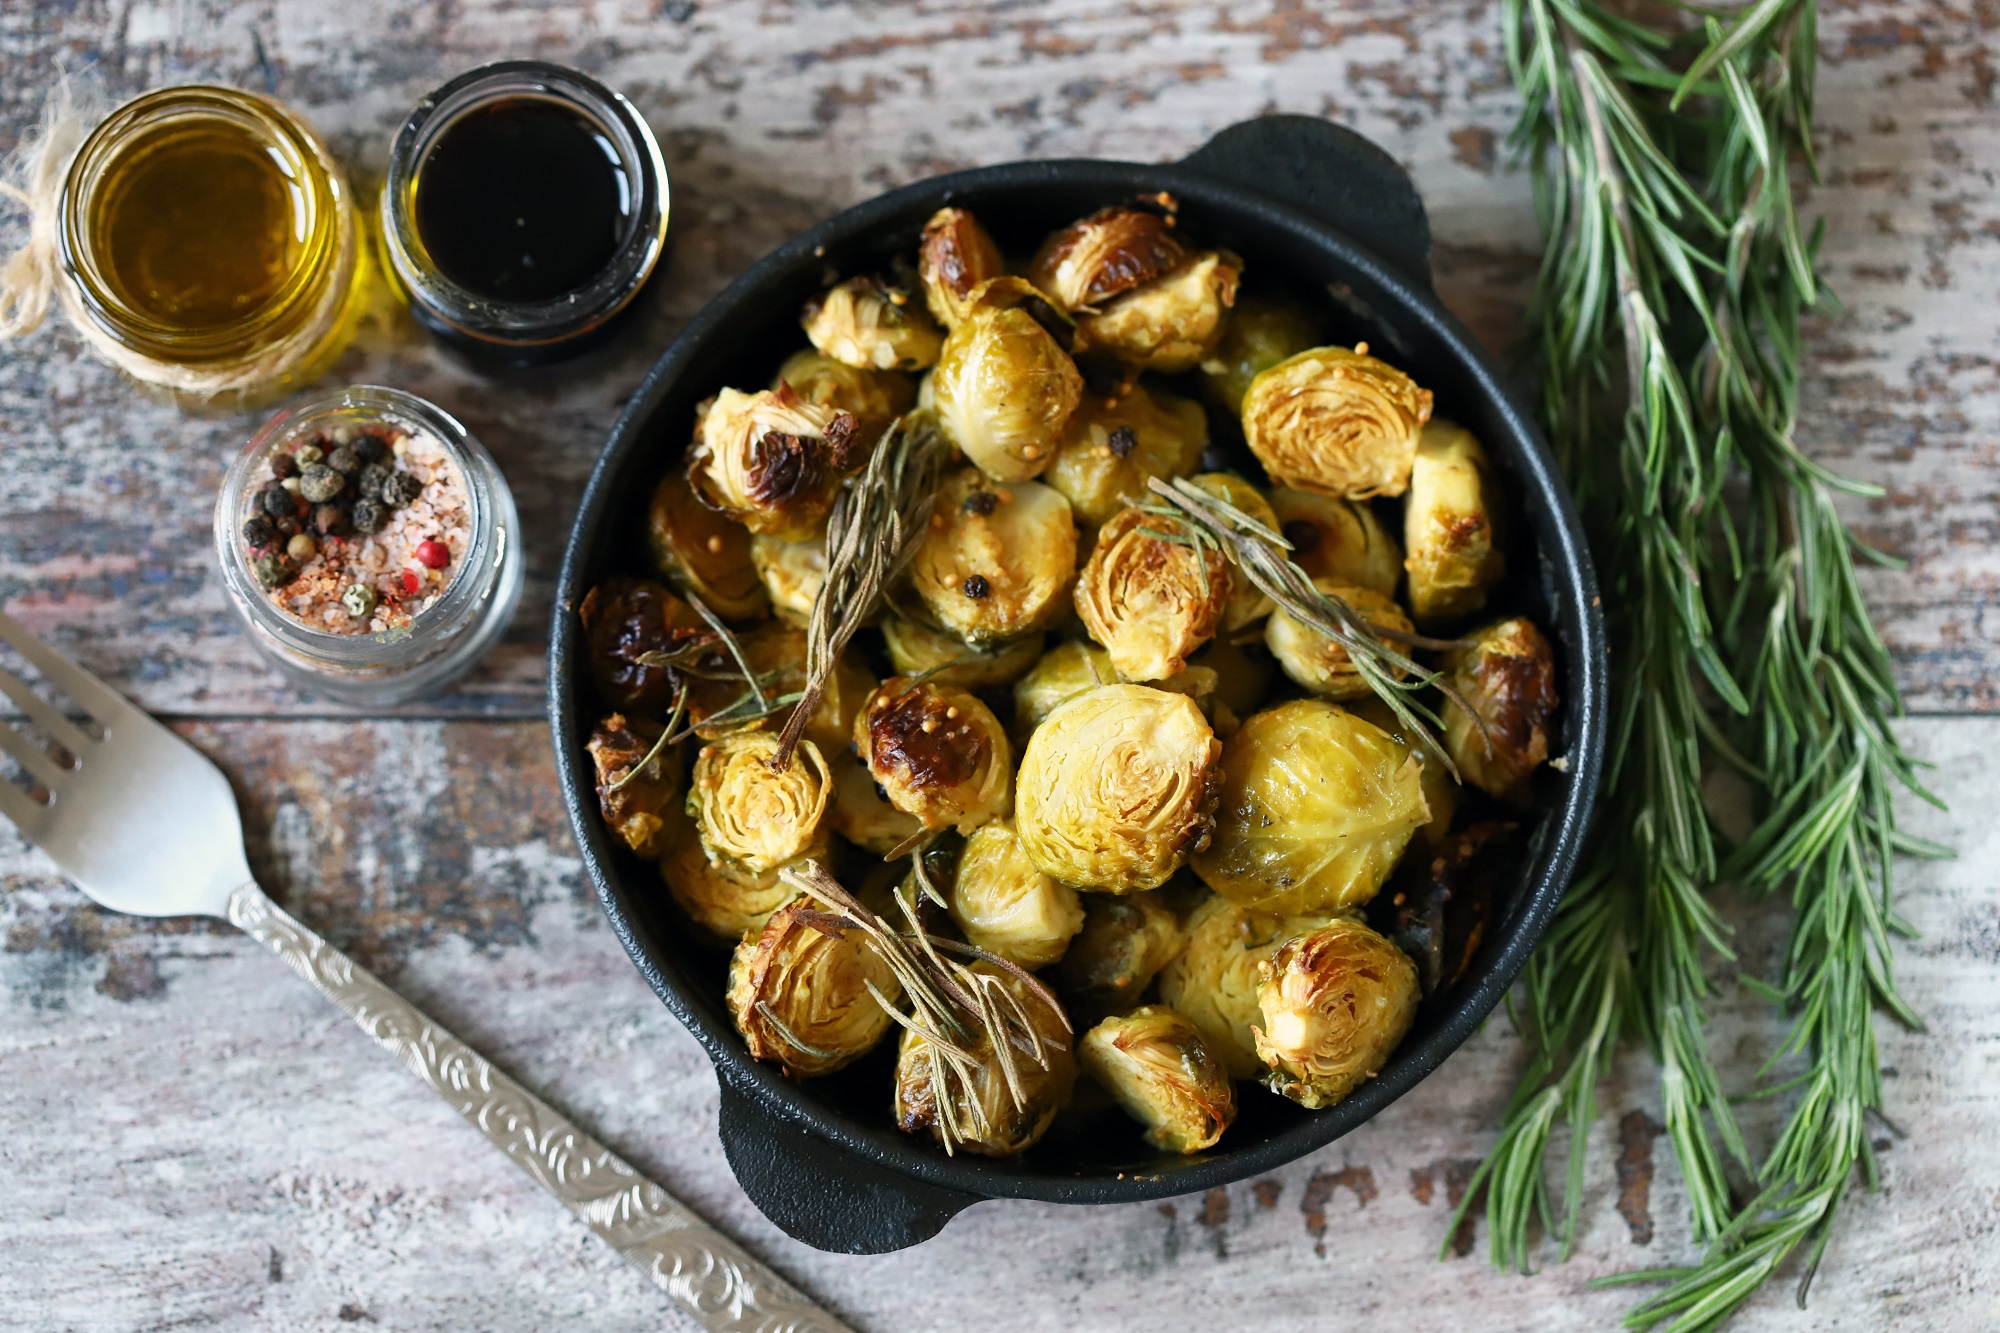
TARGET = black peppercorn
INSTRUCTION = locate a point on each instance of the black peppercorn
(367, 516)
(980, 503)
(400, 489)
(369, 448)
(257, 530)
(320, 483)
(276, 501)
(275, 569)
(330, 520)
(284, 465)
(1122, 442)
(288, 526)
(344, 461)
(976, 587)
(369, 484)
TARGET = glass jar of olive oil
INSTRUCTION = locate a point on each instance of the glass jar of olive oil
(212, 245)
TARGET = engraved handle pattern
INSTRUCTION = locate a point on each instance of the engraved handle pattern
(704, 1272)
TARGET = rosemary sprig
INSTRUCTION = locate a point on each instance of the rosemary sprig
(666, 738)
(870, 536)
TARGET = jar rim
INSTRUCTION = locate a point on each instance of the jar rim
(308, 164)
(512, 324)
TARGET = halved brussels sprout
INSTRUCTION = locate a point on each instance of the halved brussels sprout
(1335, 1002)
(1439, 786)
(1336, 421)
(1161, 1070)
(1258, 334)
(1115, 442)
(998, 558)
(1008, 907)
(1317, 805)
(702, 553)
(1448, 526)
(1117, 788)
(916, 649)
(1338, 539)
(624, 620)
(1004, 388)
(1318, 663)
(725, 899)
(792, 574)
(1126, 939)
(1246, 603)
(1509, 678)
(1168, 324)
(800, 995)
(874, 398)
(1150, 595)
(937, 752)
(954, 258)
(872, 324)
(634, 805)
(749, 812)
(1213, 981)
(1113, 250)
(860, 813)
(772, 460)
(990, 1122)
(776, 653)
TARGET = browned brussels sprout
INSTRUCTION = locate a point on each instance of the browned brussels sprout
(871, 324)
(997, 560)
(937, 752)
(1338, 539)
(1169, 324)
(634, 803)
(1247, 604)
(983, 1112)
(1319, 663)
(724, 899)
(748, 811)
(954, 259)
(625, 620)
(1117, 788)
(1448, 526)
(1335, 1002)
(1126, 939)
(860, 813)
(800, 995)
(1008, 907)
(917, 649)
(1508, 675)
(1161, 1070)
(791, 574)
(1336, 421)
(1111, 251)
(1213, 981)
(1443, 900)
(1258, 334)
(772, 460)
(1004, 388)
(1116, 442)
(1150, 595)
(874, 398)
(701, 552)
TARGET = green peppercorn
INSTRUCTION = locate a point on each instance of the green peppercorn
(344, 461)
(276, 501)
(275, 569)
(320, 483)
(359, 600)
(368, 516)
(308, 454)
(330, 520)
(400, 489)
(257, 531)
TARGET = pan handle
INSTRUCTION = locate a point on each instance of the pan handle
(1332, 173)
(822, 1194)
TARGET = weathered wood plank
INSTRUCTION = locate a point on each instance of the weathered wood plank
(192, 1138)
(774, 115)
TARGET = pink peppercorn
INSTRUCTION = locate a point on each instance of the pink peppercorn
(433, 555)
(412, 581)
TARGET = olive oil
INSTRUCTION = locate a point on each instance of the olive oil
(197, 224)
(522, 200)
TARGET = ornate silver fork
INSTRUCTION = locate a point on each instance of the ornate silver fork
(144, 823)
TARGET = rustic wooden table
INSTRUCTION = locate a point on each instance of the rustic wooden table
(190, 1138)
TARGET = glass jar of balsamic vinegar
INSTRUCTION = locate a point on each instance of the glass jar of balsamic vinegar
(211, 245)
(525, 207)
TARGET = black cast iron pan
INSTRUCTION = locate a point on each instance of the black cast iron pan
(1329, 216)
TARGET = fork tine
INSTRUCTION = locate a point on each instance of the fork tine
(22, 812)
(32, 757)
(44, 715)
(87, 691)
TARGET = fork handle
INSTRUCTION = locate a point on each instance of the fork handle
(703, 1271)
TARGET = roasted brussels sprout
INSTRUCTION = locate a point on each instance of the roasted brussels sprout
(1440, 788)
(623, 621)
(1213, 981)
(954, 258)
(1149, 600)
(800, 995)
(998, 558)
(1243, 675)
(1336, 421)
(1111, 251)
(1004, 388)
(1335, 1002)
(1168, 324)
(1161, 1070)
(916, 648)
(1318, 663)
(1116, 788)
(872, 324)
(1317, 805)
(1448, 526)
(1008, 907)
(860, 813)
(749, 812)
(874, 398)
(1246, 603)
(1126, 939)
(985, 1115)
(1115, 442)
(776, 653)
(701, 552)
(1508, 675)
(937, 752)
(725, 899)
(634, 804)
(1258, 334)
(1442, 901)
(1338, 539)
(791, 574)
(772, 460)
(1062, 673)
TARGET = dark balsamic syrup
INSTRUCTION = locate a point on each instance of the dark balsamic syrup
(522, 200)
